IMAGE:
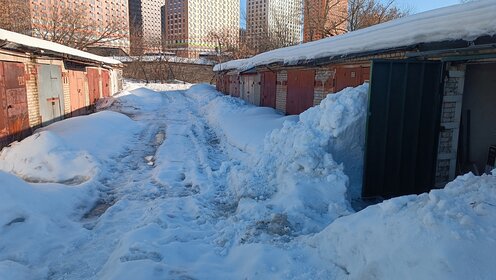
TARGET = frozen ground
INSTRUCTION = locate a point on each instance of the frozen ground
(178, 183)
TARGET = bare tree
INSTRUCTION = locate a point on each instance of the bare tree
(324, 18)
(365, 13)
(15, 16)
(72, 26)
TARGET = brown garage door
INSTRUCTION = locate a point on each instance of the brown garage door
(351, 76)
(93, 84)
(105, 83)
(14, 123)
(268, 94)
(300, 91)
(78, 94)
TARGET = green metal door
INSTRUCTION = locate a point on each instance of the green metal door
(402, 127)
(51, 95)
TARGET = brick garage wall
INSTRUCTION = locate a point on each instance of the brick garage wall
(32, 94)
(190, 73)
(450, 123)
(281, 90)
(323, 79)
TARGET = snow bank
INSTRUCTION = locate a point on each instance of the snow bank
(446, 234)
(297, 180)
(65, 151)
(35, 219)
(243, 125)
(298, 171)
(466, 21)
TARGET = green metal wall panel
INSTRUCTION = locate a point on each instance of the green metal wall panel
(402, 127)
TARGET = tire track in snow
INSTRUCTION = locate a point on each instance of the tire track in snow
(188, 200)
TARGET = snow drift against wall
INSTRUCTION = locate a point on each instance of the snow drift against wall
(294, 176)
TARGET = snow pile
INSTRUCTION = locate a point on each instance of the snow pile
(298, 179)
(46, 157)
(298, 172)
(445, 234)
(64, 151)
(34, 219)
(460, 22)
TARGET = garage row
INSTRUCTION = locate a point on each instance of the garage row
(431, 109)
(42, 86)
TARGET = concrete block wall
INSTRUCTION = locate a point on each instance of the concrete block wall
(322, 80)
(450, 124)
(281, 90)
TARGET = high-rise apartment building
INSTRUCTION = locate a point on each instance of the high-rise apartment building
(273, 23)
(196, 26)
(324, 18)
(145, 24)
(50, 17)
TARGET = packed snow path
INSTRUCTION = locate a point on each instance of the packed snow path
(181, 203)
(163, 210)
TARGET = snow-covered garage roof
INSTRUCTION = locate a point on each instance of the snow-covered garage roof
(460, 22)
(27, 41)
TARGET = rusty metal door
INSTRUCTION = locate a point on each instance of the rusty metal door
(4, 124)
(226, 85)
(93, 84)
(351, 76)
(268, 94)
(300, 91)
(51, 95)
(105, 83)
(14, 125)
(232, 84)
(256, 90)
(78, 95)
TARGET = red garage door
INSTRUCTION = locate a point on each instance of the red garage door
(78, 94)
(93, 84)
(300, 91)
(105, 83)
(268, 94)
(14, 118)
(351, 76)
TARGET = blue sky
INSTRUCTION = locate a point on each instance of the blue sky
(416, 6)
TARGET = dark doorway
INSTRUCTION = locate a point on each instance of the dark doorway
(478, 127)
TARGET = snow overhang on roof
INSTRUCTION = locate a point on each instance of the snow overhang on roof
(465, 22)
(12, 40)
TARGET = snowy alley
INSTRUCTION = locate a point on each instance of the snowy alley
(181, 182)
